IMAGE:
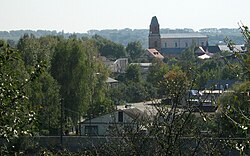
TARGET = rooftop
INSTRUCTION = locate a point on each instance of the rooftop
(142, 64)
(155, 53)
(111, 80)
(183, 35)
(235, 48)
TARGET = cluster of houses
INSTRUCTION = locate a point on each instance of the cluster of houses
(160, 45)
(130, 115)
(173, 44)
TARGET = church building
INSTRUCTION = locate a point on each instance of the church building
(172, 43)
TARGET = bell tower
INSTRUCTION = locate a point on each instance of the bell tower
(154, 37)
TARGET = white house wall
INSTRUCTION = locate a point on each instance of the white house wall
(104, 121)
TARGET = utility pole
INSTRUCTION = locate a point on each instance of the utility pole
(61, 136)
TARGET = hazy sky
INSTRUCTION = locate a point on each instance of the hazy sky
(83, 15)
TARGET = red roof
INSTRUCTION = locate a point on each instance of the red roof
(155, 53)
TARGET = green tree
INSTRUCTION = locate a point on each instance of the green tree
(47, 46)
(30, 49)
(246, 60)
(188, 59)
(17, 117)
(101, 103)
(211, 69)
(72, 71)
(43, 93)
(44, 98)
(174, 84)
(157, 71)
(117, 94)
(81, 76)
(34, 50)
(235, 106)
(108, 48)
(134, 50)
(234, 116)
(156, 75)
(133, 73)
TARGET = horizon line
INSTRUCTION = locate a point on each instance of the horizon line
(58, 31)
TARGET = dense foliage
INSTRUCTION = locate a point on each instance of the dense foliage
(51, 79)
(108, 48)
(17, 116)
(46, 75)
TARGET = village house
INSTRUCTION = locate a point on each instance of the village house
(117, 66)
(122, 119)
(112, 82)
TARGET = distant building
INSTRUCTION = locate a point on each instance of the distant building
(231, 49)
(172, 44)
(206, 52)
(202, 54)
(120, 65)
(220, 84)
(143, 66)
(117, 66)
(112, 82)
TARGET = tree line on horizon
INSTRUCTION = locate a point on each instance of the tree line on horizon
(124, 36)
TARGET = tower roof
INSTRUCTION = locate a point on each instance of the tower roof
(154, 21)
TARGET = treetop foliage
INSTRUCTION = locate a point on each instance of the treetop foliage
(17, 117)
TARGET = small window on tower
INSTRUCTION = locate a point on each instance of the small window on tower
(176, 45)
(165, 45)
(186, 44)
